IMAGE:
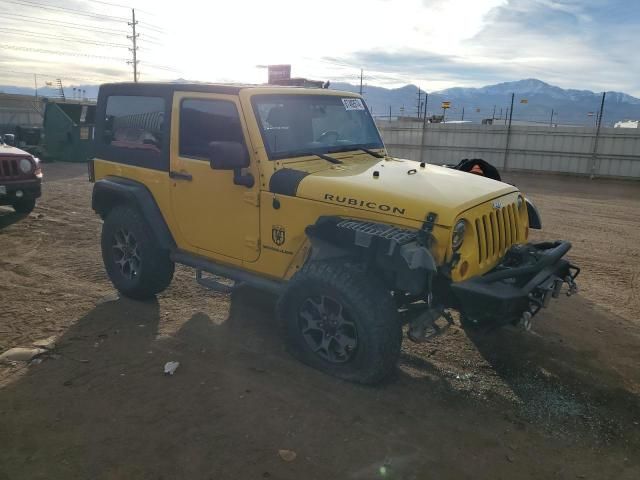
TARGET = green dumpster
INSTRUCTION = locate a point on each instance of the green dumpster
(68, 130)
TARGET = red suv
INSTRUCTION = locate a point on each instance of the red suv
(20, 178)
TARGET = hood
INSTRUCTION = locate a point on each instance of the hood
(400, 188)
(9, 151)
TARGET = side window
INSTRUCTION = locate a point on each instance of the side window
(135, 122)
(206, 121)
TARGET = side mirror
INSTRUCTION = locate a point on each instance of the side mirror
(231, 156)
(9, 139)
(228, 155)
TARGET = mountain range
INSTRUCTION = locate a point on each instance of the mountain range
(534, 101)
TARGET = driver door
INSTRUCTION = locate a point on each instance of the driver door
(216, 218)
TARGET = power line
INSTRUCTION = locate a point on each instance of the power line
(162, 67)
(53, 52)
(121, 6)
(153, 27)
(62, 24)
(66, 39)
(89, 79)
(55, 75)
(150, 38)
(383, 76)
(109, 4)
(65, 10)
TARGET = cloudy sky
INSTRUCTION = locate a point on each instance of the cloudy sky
(585, 44)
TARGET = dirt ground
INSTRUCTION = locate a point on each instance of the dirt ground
(562, 402)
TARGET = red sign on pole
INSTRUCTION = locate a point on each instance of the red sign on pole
(279, 72)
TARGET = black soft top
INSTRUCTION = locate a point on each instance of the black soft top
(166, 88)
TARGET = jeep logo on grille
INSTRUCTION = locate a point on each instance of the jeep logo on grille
(278, 234)
(497, 205)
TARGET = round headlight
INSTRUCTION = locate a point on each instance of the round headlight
(458, 234)
(25, 165)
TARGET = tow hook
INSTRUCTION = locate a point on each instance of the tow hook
(541, 298)
(423, 327)
(526, 321)
(573, 286)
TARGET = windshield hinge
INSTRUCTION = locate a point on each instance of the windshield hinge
(424, 235)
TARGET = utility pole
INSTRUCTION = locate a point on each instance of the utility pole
(360, 81)
(134, 50)
(424, 121)
(551, 121)
(60, 89)
(595, 142)
(389, 114)
(462, 114)
(601, 112)
(493, 115)
(506, 148)
(426, 102)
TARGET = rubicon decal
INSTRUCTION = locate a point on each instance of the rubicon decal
(354, 202)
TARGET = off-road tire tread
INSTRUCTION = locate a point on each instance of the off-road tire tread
(157, 268)
(375, 307)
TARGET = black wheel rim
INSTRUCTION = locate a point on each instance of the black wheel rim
(125, 253)
(327, 329)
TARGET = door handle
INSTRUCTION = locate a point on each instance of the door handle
(180, 176)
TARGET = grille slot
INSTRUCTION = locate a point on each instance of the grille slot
(496, 232)
(9, 168)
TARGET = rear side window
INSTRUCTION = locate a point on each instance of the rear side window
(206, 121)
(135, 123)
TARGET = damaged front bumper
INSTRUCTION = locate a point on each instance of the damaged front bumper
(523, 283)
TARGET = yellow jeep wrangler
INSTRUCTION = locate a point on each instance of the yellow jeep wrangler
(291, 190)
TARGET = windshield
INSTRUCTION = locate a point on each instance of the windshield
(294, 125)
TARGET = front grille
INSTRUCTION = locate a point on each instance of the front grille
(9, 168)
(496, 232)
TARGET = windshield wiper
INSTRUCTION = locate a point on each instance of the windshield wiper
(372, 153)
(328, 158)
(365, 150)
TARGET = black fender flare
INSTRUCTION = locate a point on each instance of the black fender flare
(407, 264)
(535, 221)
(111, 191)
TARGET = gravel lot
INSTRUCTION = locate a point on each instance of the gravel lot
(562, 402)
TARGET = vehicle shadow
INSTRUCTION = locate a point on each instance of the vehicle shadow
(101, 406)
(9, 217)
(563, 376)
(102, 393)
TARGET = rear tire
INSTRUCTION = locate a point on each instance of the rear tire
(25, 205)
(341, 321)
(137, 265)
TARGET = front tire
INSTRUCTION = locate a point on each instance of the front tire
(25, 205)
(136, 263)
(341, 321)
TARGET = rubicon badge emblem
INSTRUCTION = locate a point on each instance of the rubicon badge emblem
(278, 234)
